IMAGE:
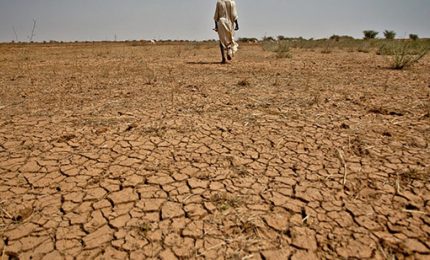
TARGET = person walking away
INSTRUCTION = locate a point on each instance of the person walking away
(226, 22)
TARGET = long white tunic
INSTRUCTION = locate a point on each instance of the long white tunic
(225, 15)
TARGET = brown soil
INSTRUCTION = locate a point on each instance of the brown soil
(121, 151)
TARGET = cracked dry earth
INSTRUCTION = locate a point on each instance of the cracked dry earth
(114, 151)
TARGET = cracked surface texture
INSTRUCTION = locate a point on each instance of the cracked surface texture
(114, 151)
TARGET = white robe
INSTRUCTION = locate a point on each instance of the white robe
(225, 16)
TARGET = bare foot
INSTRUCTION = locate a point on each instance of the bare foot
(229, 54)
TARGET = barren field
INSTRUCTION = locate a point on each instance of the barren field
(115, 151)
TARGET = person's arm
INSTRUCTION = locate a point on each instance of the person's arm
(234, 15)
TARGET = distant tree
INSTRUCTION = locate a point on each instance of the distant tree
(335, 37)
(389, 35)
(268, 38)
(369, 34)
(281, 38)
(346, 37)
(246, 39)
(413, 37)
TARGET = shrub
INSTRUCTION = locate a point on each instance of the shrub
(385, 49)
(405, 55)
(335, 37)
(413, 37)
(281, 48)
(245, 39)
(268, 38)
(281, 38)
(389, 35)
(369, 34)
(364, 48)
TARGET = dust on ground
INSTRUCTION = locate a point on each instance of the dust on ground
(123, 151)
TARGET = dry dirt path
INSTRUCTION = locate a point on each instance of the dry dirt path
(119, 151)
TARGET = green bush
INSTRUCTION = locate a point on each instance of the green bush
(389, 35)
(413, 37)
(245, 39)
(281, 38)
(405, 54)
(335, 37)
(369, 34)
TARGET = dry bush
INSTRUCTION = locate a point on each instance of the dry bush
(403, 54)
(281, 48)
(364, 48)
(224, 201)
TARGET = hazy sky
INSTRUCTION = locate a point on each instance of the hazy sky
(70, 20)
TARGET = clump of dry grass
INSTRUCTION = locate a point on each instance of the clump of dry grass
(327, 48)
(223, 201)
(404, 55)
(364, 48)
(244, 83)
(281, 48)
(358, 147)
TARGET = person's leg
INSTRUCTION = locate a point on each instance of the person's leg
(222, 52)
(229, 53)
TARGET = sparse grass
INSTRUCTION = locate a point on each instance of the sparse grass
(358, 147)
(224, 201)
(405, 55)
(328, 48)
(281, 48)
(149, 74)
(381, 46)
(364, 48)
(142, 228)
(407, 177)
(244, 83)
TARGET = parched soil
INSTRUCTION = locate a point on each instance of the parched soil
(115, 151)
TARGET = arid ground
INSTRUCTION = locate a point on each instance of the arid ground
(120, 150)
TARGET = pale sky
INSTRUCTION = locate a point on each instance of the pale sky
(70, 20)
